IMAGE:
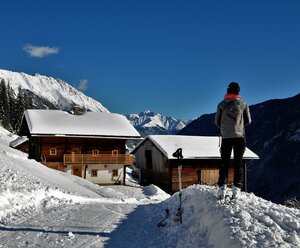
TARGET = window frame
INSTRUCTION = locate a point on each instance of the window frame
(115, 173)
(94, 171)
(114, 153)
(95, 152)
(53, 151)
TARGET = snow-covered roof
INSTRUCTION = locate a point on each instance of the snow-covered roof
(193, 147)
(18, 141)
(61, 123)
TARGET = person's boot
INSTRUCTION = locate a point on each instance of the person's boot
(235, 192)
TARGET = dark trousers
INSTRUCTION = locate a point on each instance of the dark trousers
(238, 146)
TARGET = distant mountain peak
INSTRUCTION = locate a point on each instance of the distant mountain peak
(48, 92)
(147, 112)
(147, 122)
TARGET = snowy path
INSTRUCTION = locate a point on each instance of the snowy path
(90, 224)
(79, 225)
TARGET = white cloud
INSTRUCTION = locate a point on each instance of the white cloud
(40, 51)
(83, 84)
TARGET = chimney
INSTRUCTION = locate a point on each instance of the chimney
(76, 110)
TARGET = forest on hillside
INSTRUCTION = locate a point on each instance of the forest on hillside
(12, 106)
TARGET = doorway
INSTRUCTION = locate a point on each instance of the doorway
(77, 170)
(148, 155)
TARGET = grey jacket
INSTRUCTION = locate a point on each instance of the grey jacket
(232, 116)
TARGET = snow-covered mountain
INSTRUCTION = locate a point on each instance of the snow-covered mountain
(41, 207)
(148, 122)
(48, 92)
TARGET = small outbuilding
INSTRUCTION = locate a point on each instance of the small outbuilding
(20, 143)
(200, 164)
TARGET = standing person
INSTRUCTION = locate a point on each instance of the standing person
(231, 117)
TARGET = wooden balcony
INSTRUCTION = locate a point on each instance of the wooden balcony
(84, 159)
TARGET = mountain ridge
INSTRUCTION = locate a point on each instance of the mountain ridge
(48, 92)
(148, 122)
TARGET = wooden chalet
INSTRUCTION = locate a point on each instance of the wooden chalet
(200, 163)
(91, 145)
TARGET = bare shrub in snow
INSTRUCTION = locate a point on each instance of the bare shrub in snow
(292, 203)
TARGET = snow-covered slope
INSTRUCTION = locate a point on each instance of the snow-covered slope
(41, 207)
(148, 122)
(250, 222)
(48, 92)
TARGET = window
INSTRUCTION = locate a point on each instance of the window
(95, 153)
(94, 173)
(53, 151)
(114, 153)
(114, 173)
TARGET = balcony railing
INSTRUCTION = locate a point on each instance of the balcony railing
(98, 159)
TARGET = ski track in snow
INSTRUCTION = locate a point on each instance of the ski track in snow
(40, 207)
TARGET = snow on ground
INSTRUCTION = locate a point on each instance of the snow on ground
(40, 207)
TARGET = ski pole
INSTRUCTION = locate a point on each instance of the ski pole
(180, 191)
(178, 155)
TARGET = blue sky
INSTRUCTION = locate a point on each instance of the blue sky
(172, 57)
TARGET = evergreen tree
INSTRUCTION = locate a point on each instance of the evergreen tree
(28, 101)
(19, 109)
(12, 107)
(4, 106)
(12, 104)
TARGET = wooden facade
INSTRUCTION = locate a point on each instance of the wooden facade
(54, 149)
(194, 171)
(157, 168)
(83, 156)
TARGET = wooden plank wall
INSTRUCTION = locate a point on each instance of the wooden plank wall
(161, 179)
(86, 145)
(198, 175)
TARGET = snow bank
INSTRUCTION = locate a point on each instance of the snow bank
(6, 137)
(250, 222)
(155, 193)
